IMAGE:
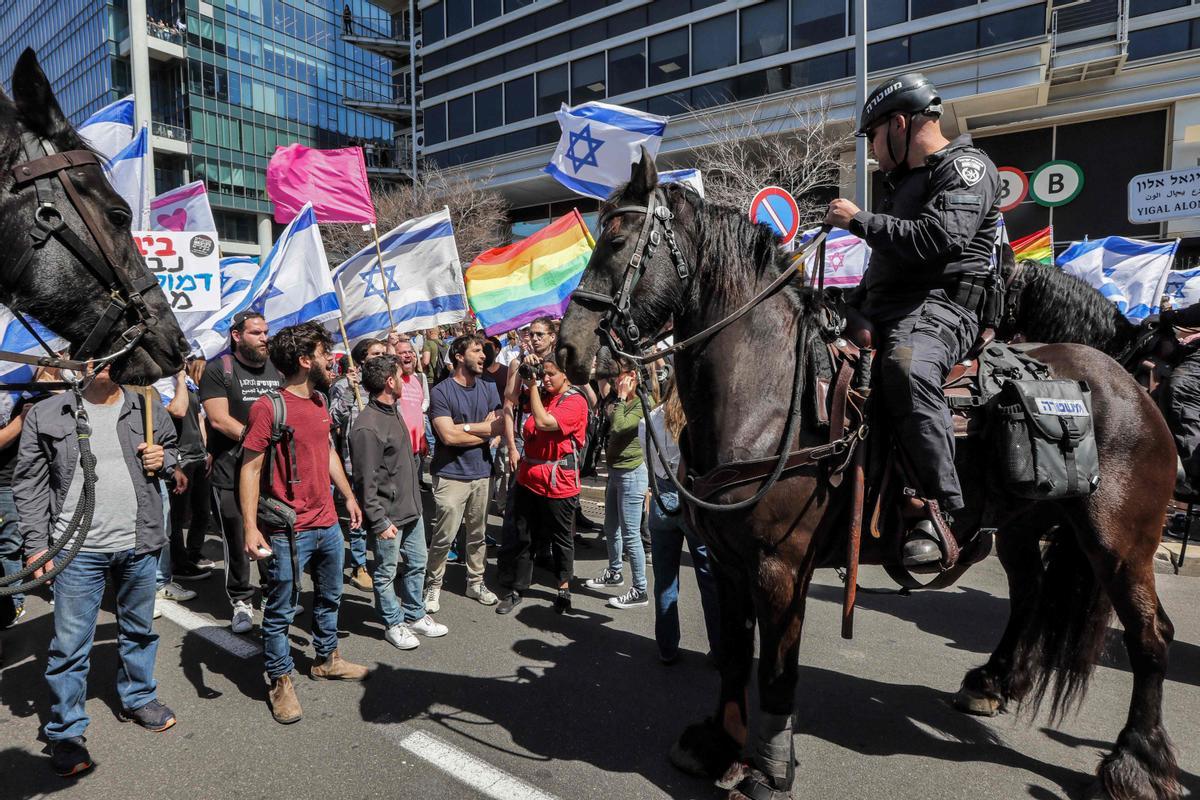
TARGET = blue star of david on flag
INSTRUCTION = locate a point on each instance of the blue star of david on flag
(375, 288)
(590, 142)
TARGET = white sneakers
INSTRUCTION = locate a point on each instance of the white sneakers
(427, 627)
(243, 617)
(173, 591)
(433, 596)
(400, 637)
(477, 591)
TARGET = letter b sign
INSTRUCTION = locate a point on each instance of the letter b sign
(1056, 183)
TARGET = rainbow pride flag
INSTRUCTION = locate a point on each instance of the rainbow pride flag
(1037, 247)
(511, 285)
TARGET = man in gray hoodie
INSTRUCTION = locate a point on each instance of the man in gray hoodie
(126, 534)
(385, 480)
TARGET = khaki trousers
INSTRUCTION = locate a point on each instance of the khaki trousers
(454, 502)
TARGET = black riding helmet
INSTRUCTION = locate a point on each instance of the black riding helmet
(908, 93)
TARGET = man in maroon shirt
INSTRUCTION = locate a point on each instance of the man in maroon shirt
(303, 465)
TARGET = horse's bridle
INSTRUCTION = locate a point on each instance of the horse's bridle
(49, 223)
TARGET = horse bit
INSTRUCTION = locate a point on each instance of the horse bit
(49, 223)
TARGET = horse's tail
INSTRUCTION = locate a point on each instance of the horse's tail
(1066, 630)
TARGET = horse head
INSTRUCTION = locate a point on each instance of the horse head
(43, 276)
(648, 283)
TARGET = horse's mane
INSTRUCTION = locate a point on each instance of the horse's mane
(1052, 306)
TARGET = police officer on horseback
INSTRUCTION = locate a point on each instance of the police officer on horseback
(926, 287)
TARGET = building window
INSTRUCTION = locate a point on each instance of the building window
(513, 5)
(1139, 7)
(881, 14)
(1012, 26)
(668, 104)
(1159, 41)
(520, 140)
(435, 124)
(588, 34)
(554, 46)
(627, 68)
(927, 8)
(669, 57)
(518, 99)
(832, 67)
(487, 9)
(458, 16)
(714, 43)
(460, 117)
(815, 21)
(764, 29)
(943, 41)
(885, 55)
(516, 59)
(667, 10)
(757, 84)
(433, 24)
(551, 89)
(587, 79)
(489, 108)
(714, 94)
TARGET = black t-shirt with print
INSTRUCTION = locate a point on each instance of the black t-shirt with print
(241, 386)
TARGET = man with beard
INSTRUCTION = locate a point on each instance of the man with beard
(462, 410)
(228, 387)
(303, 463)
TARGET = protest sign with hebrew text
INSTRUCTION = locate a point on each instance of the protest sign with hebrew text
(187, 266)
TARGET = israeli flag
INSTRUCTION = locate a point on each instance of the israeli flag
(690, 178)
(127, 173)
(1183, 287)
(110, 129)
(420, 272)
(16, 338)
(599, 143)
(238, 275)
(1129, 272)
(292, 285)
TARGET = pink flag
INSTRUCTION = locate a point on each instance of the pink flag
(334, 181)
(182, 209)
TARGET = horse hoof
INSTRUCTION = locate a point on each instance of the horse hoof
(705, 750)
(976, 703)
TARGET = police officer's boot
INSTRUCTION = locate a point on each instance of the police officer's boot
(921, 546)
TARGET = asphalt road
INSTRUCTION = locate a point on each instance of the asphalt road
(538, 706)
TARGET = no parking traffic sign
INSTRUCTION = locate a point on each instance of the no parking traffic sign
(777, 209)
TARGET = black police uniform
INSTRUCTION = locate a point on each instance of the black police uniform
(936, 227)
(1181, 398)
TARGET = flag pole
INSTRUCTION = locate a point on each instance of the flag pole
(387, 299)
(350, 360)
(586, 232)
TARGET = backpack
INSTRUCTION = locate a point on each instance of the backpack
(271, 510)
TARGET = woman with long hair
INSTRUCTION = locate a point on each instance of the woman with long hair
(669, 531)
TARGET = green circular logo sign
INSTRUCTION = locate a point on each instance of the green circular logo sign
(1056, 183)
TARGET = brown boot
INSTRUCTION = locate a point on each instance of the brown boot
(336, 668)
(285, 706)
(361, 579)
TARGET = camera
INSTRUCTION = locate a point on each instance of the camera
(530, 372)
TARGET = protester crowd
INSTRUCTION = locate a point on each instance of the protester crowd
(300, 459)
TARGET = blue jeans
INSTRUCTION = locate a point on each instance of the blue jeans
(623, 504)
(410, 543)
(357, 537)
(78, 590)
(667, 535)
(10, 540)
(164, 574)
(323, 548)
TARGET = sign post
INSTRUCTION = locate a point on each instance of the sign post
(777, 209)
(1160, 196)
(187, 266)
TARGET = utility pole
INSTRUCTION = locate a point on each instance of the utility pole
(860, 99)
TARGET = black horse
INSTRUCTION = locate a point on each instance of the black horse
(45, 277)
(735, 388)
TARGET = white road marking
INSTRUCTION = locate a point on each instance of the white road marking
(215, 633)
(464, 767)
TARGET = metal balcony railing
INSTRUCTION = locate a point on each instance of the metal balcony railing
(169, 131)
(165, 31)
(373, 92)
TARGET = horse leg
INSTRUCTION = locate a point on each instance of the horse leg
(779, 600)
(986, 690)
(709, 747)
(1142, 765)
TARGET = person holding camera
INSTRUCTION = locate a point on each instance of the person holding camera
(297, 524)
(547, 490)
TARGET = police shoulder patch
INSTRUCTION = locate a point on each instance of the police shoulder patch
(970, 169)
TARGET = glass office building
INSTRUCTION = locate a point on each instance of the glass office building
(228, 82)
(1024, 76)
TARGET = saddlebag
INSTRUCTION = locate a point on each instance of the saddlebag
(1045, 446)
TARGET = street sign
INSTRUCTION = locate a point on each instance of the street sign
(777, 209)
(1014, 187)
(1056, 183)
(1159, 196)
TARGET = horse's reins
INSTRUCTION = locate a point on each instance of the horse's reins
(618, 324)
